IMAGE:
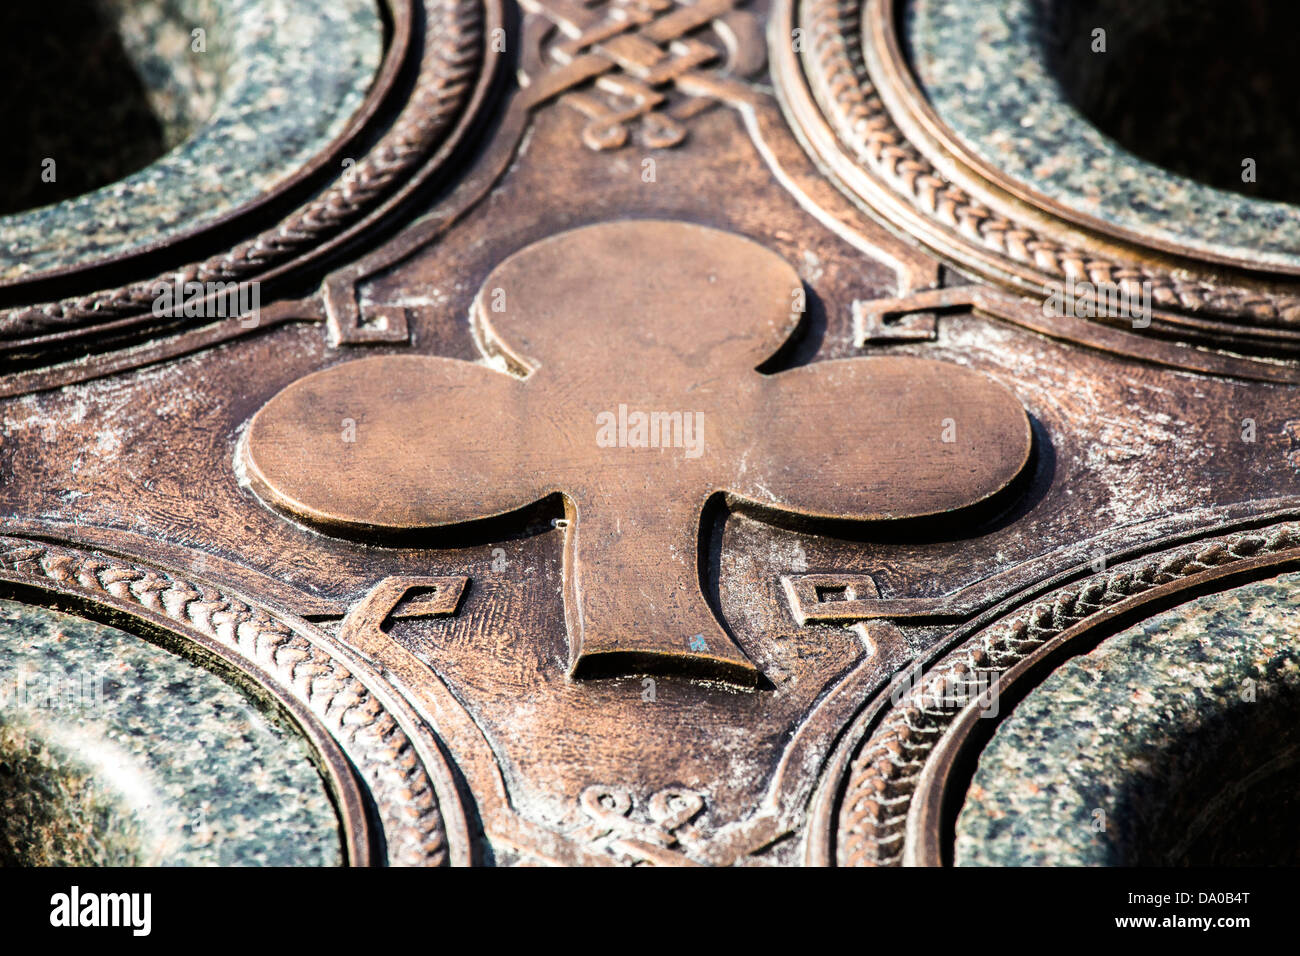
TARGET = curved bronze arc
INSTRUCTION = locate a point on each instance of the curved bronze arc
(943, 782)
(893, 787)
(898, 85)
(399, 14)
(413, 134)
(851, 96)
(262, 650)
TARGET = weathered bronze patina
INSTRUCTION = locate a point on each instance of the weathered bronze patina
(652, 421)
(594, 322)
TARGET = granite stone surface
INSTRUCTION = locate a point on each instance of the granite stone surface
(1173, 742)
(992, 69)
(166, 136)
(116, 751)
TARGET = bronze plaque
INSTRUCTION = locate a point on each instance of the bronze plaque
(644, 432)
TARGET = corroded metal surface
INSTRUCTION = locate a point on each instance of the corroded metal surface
(639, 450)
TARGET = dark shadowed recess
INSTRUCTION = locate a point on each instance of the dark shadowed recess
(1195, 86)
(1237, 798)
(74, 95)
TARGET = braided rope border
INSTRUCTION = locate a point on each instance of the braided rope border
(882, 777)
(449, 67)
(383, 754)
(837, 73)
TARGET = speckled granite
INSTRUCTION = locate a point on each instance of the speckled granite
(991, 69)
(116, 751)
(213, 130)
(1149, 750)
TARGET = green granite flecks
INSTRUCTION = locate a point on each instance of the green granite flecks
(55, 811)
(278, 81)
(1173, 742)
(987, 67)
(116, 751)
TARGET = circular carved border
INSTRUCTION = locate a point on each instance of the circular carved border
(880, 796)
(853, 117)
(451, 56)
(380, 777)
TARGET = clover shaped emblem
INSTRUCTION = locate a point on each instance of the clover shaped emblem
(620, 372)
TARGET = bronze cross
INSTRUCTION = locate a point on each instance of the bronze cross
(621, 373)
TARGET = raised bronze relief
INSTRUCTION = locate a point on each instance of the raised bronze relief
(642, 432)
(639, 403)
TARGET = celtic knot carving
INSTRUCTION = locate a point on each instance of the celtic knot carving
(643, 65)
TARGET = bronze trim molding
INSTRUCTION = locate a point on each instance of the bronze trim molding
(394, 794)
(873, 818)
(857, 108)
(939, 790)
(446, 42)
